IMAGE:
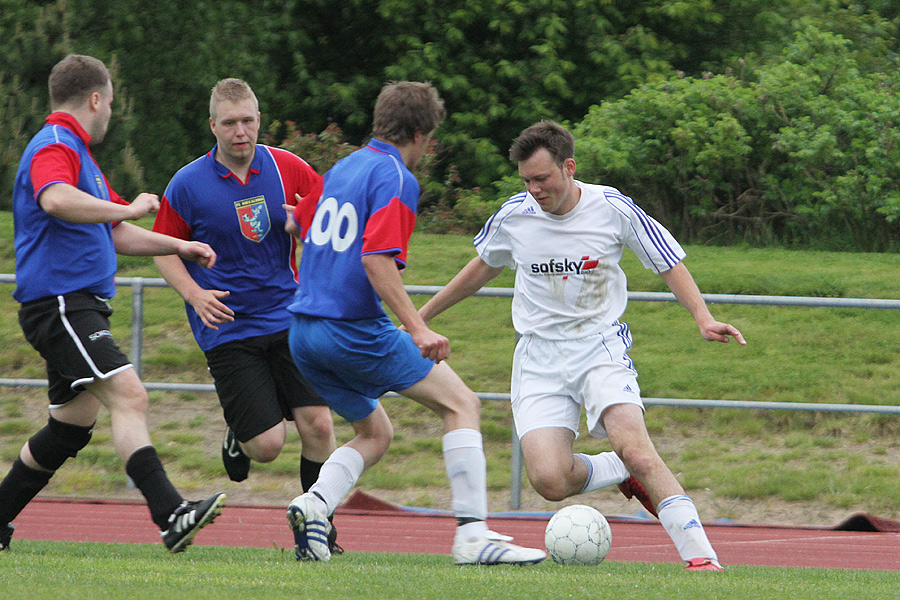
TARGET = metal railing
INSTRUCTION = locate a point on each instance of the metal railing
(138, 284)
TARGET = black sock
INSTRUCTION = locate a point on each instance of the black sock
(150, 477)
(18, 488)
(309, 472)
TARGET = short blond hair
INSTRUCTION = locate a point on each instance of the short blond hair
(232, 90)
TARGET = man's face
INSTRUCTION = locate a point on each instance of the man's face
(104, 113)
(552, 185)
(236, 128)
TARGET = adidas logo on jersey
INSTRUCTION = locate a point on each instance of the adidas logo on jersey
(529, 210)
(564, 267)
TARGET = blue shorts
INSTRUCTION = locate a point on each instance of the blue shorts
(352, 363)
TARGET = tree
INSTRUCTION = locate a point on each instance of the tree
(807, 154)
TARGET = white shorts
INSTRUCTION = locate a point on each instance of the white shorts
(553, 379)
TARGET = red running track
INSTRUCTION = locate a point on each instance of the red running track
(398, 530)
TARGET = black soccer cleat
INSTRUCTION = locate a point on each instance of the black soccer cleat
(5, 536)
(333, 546)
(188, 519)
(237, 464)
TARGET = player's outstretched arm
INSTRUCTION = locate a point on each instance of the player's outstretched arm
(682, 284)
(132, 240)
(207, 303)
(471, 278)
(385, 278)
(69, 203)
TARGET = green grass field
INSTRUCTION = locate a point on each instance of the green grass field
(135, 572)
(735, 461)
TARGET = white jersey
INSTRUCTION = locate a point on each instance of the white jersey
(568, 280)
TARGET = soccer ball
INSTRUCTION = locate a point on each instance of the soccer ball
(578, 535)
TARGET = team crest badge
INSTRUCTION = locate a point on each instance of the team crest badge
(253, 215)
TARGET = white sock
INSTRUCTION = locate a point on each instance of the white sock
(467, 471)
(338, 476)
(604, 469)
(679, 516)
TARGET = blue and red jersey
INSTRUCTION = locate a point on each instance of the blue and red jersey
(54, 256)
(368, 206)
(244, 223)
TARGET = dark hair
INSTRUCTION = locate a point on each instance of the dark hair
(76, 77)
(232, 90)
(404, 108)
(549, 135)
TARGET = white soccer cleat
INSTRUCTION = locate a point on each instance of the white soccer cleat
(311, 527)
(494, 549)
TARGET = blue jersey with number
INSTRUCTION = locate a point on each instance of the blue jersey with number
(368, 206)
(243, 221)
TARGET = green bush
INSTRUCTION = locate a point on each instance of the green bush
(807, 153)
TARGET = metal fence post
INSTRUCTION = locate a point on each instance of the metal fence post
(515, 475)
(137, 323)
(137, 337)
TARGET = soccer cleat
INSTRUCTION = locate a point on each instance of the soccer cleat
(333, 546)
(494, 549)
(5, 536)
(311, 528)
(632, 488)
(703, 564)
(188, 519)
(237, 464)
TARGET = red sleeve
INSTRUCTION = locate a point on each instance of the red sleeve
(55, 163)
(169, 222)
(299, 178)
(58, 163)
(388, 231)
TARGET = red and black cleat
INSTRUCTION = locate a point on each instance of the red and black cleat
(632, 488)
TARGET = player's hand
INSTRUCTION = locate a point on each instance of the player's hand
(200, 253)
(432, 345)
(209, 307)
(715, 331)
(144, 204)
(290, 225)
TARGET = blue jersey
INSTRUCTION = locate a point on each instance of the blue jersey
(244, 223)
(54, 256)
(368, 206)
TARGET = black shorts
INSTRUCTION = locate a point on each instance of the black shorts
(258, 384)
(71, 332)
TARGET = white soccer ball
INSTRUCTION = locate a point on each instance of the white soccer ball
(578, 535)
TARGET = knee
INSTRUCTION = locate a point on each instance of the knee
(265, 447)
(376, 435)
(133, 400)
(471, 403)
(316, 427)
(383, 435)
(57, 442)
(463, 410)
(551, 486)
(640, 462)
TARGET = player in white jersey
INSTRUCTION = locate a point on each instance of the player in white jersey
(565, 238)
